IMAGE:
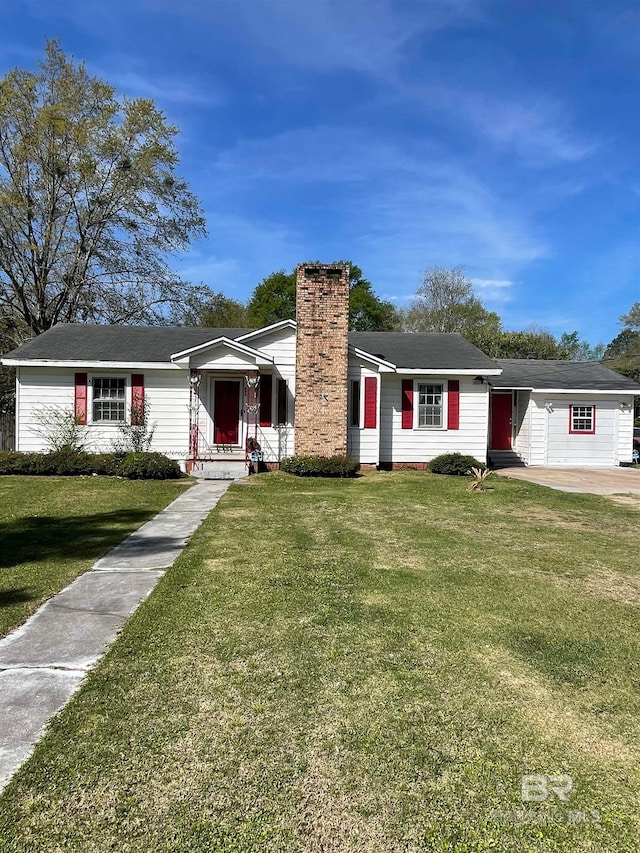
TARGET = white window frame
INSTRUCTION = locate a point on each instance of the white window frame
(127, 398)
(573, 416)
(442, 383)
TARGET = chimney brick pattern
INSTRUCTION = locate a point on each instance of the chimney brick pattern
(322, 314)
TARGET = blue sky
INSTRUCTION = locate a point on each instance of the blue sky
(501, 135)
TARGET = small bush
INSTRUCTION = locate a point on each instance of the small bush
(320, 466)
(149, 466)
(69, 462)
(455, 464)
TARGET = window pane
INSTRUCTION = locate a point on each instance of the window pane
(282, 401)
(355, 403)
(430, 405)
(582, 418)
(108, 398)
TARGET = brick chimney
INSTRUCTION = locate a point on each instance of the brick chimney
(322, 314)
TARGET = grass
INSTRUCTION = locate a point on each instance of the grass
(367, 665)
(52, 529)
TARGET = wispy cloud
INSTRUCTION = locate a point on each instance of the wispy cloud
(493, 290)
(532, 125)
(175, 88)
(367, 36)
(391, 208)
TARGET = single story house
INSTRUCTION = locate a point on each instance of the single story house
(311, 386)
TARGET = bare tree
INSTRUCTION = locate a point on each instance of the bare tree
(90, 205)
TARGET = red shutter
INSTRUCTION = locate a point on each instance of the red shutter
(266, 384)
(453, 405)
(407, 404)
(80, 405)
(370, 402)
(137, 399)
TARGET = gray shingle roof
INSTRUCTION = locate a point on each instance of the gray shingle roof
(429, 351)
(77, 343)
(561, 375)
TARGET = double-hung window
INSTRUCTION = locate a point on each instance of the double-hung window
(108, 399)
(582, 419)
(430, 406)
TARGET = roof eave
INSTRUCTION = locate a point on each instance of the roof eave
(449, 371)
(88, 363)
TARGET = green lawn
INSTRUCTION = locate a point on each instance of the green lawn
(54, 528)
(367, 665)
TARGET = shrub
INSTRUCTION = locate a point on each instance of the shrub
(61, 428)
(149, 466)
(455, 464)
(320, 466)
(136, 434)
(67, 462)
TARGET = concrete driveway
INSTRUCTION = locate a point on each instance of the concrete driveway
(593, 481)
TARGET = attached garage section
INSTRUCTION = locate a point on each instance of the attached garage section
(571, 414)
(581, 431)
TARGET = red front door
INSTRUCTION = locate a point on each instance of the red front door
(226, 411)
(501, 421)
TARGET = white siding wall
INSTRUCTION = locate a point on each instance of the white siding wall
(522, 444)
(421, 445)
(278, 441)
(167, 392)
(553, 444)
(363, 444)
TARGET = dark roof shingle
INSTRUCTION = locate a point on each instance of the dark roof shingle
(429, 351)
(77, 343)
(560, 375)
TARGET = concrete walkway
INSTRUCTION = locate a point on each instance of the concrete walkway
(592, 481)
(44, 661)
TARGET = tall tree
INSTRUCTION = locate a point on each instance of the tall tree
(627, 343)
(631, 320)
(525, 344)
(275, 299)
(90, 204)
(580, 350)
(222, 312)
(446, 302)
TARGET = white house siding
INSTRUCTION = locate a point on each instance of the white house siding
(522, 443)
(363, 444)
(36, 390)
(275, 441)
(278, 441)
(167, 392)
(421, 445)
(553, 444)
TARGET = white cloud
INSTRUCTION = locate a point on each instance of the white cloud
(493, 289)
(538, 128)
(177, 88)
(391, 209)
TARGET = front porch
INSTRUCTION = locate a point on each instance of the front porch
(233, 421)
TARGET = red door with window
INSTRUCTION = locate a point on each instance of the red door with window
(501, 421)
(226, 412)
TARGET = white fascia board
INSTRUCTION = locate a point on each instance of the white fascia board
(498, 387)
(622, 392)
(445, 371)
(281, 324)
(384, 366)
(260, 357)
(100, 365)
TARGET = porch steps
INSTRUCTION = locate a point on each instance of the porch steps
(221, 469)
(505, 459)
